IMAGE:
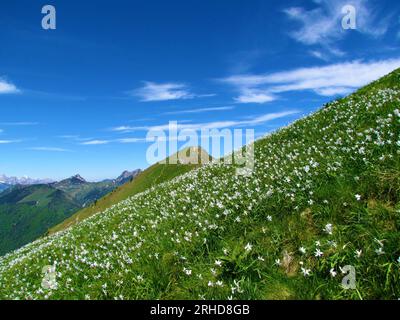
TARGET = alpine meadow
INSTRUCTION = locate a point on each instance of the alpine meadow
(324, 195)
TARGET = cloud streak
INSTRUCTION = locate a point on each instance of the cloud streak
(328, 80)
(200, 110)
(152, 91)
(9, 141)
(322, 25)
(49, 149)
(254, 121)
(7, 87)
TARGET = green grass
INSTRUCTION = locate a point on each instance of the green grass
(328, 183)
(152, 176)
(27, 213)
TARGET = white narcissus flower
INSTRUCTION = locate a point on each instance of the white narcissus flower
(302, 250)
(306, 272)
(329, 228)
(333, 273)
(358, 197)
(248, 247)
(318, 253)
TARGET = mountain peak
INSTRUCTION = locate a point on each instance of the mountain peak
(78, 178)
(126, 176)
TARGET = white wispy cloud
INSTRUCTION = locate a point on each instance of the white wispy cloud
(322, 25)
(20, 123)
(152, 91)
(7, 87)
(49, 149)
(252, 121)
(252, 95)
(200, 110)
(95, 142)
(9, 141)
(329, 80)
(108, 141)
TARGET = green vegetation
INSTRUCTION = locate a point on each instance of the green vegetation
(324, 195)
(27, 212)
(152, 176)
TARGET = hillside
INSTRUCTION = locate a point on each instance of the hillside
(26, 212)
(156, 174)
(324, 194)
(84, 192)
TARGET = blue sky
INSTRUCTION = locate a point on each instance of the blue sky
(80, 99)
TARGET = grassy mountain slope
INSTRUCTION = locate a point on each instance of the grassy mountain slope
(26, 212)
(84, 192)
(324, 194)
(152, 176)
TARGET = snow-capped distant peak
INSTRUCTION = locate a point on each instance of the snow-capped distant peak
(22, 180)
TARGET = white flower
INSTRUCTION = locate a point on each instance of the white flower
(269, 218)
(333, 273)
(328, 228)
(306, 272)
(303, 250)
(260, 258)
(219, 283)
(248, 247)
(398, 260)
(210, 284)
(379, 251)
(318, 243)
(218, 263)
(187, 271)
(318, 253)
(358, 253)
(278, 262)
(358, 197)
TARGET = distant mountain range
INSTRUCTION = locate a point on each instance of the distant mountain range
(28, 210)
(4, 180)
